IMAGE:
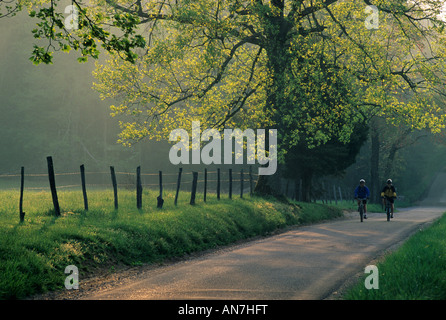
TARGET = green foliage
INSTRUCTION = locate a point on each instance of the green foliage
(229, 62)
(9, 8)
(416, 271)
(89, 31)
(324, 135)
(331, 158)
(312, 70)
(34, 254)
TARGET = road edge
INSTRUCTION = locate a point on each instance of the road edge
(339, 292)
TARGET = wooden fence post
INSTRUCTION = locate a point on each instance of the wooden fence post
(205, 183)
(115, 185)
(138, 188)
(230, 183)
(194, 187)
(160, 197)
(241, 183)
(178, 185)
(84, 187)
(52, 181)
(22, 184)
(218, 183)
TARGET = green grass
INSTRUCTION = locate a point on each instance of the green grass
(34, 254)
(351, 205)
(416, 271)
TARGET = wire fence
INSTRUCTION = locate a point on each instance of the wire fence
(217, 181)
(101, 180)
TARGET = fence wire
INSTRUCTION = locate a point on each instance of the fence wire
(127, 180)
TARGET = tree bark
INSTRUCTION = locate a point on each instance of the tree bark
(269, 185)
(277, 29)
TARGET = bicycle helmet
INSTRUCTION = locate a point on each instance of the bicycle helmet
(362, 180)
(389, 181)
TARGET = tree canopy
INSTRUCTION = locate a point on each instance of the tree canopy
(289, 64)
(313, 69)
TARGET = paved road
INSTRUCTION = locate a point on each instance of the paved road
(305, 263)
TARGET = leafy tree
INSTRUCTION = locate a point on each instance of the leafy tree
(248, 66)
(329, 132)
(329, 159)
(386, 144)
(242, 63)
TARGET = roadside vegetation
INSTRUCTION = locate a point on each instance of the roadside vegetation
(350, 205)
(34, 254)
(416, 271)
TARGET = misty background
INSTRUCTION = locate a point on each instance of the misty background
(51, 110)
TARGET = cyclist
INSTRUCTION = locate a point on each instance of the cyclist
(388, 193)
(362, 193)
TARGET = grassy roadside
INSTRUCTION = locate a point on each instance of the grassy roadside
(33, 255)
(416, 271)
(350, 205)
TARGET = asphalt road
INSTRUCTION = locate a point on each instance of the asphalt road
(309, 262)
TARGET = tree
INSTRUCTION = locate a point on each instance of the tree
(386, 142)
(329, 159)
(90, 28)
(226, 30)
(238, 63)
(243, 66)
(328, 131)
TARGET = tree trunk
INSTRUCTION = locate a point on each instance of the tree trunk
(390, 158)
(374, 161)
(395, 147)
(277, 29)
(269, 185)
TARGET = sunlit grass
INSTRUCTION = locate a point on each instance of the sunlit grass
(34, 254)
(416, 271)
(351, 205)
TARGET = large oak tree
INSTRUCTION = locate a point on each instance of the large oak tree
(311, 68)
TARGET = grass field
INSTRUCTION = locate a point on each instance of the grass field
(416, 271)
(34, 254)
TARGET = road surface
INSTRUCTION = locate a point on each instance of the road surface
(309, 262)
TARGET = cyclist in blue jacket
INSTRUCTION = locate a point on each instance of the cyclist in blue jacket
(362, 193)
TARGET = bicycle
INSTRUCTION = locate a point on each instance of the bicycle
(388, 209)
(361, 209)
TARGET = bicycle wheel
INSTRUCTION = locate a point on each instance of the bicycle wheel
(361, 212)
(388, 213)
